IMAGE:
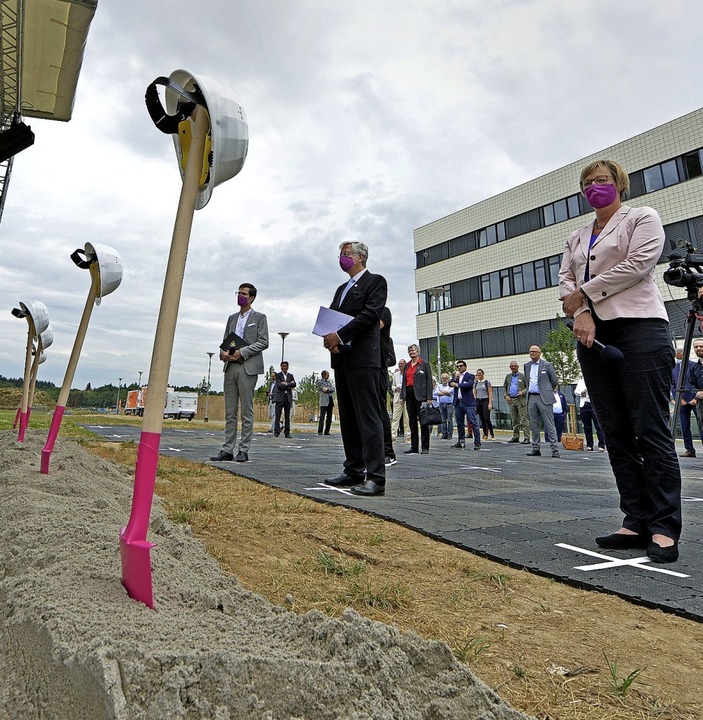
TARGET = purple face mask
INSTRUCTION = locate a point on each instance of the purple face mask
(600, 196)
(242, 300)
(346, 262)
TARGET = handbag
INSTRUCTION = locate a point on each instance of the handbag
(571, 441)
(430, 415)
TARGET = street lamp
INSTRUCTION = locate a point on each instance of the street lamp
(436, 293)
(119, 385)
(283, 335)
(207, 392)
(140, 377)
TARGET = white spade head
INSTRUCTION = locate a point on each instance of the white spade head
(35, 310)
(228, 135)
(105, 267)
(47, 338)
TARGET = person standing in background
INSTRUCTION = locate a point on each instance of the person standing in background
(445, 399)
(416, 391)
(326, 389)
(515, 394)
(483, 392)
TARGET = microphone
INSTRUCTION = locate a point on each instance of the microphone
(609, 353)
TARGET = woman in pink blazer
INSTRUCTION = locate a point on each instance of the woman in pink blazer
(606, 283)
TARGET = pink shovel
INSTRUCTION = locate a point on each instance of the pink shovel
(135, 550)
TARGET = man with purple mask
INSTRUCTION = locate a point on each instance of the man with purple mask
(242, 368)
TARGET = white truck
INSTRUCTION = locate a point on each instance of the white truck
(180, 405)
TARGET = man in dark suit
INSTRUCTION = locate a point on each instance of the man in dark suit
(465, 405)
(356, 360)
(542, 383)
(283, 397)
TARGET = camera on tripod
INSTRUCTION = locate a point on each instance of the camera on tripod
(685, 270)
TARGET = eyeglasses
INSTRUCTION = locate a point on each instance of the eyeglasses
(461, 364)
(347, 254)
(600, 180)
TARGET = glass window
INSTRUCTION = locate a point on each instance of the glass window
(528, 277)
(421, 303)
(653, 179)
(692, 164)
(670, 173)
(560, 213)
(485, 287)
(540, 274)
(573, 206)
(548, 215)
(482, 238)
(500, 230)
(505, 283)
(495, 284)
(517, 280)
(492, 235)
(554, 265)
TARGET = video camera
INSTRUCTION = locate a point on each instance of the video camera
(685, 269)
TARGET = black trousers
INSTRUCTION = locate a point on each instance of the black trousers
(360, 422)
(325, 417)
(283, 405)
(413, 405)
(631, 400)
(590, 420)
(484, 415)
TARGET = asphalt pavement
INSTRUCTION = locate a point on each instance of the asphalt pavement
(537, 513)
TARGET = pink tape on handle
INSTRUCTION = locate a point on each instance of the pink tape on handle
(17, 418)
(51, 439)
(144, 481)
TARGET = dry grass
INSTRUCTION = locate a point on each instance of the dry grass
(548, 649)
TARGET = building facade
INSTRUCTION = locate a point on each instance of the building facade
(498, 261)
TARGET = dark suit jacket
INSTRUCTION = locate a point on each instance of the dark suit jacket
(361, 336)
(687, 393)
(466, 385)
(283, 393)
(422, 382)
(547, 380)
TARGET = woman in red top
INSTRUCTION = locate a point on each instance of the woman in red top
(416, 390)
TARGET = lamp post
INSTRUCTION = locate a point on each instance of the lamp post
(119, 385)
(436, 293)
(283, 335)
(207, 392)
(140, 377)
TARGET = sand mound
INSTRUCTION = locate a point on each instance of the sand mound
(75, 646)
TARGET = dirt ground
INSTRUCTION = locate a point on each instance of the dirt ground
(548, 649)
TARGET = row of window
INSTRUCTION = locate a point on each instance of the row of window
(656, 177)
(540, 274)
(515, 340)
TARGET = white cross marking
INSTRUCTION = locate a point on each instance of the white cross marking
(615, 562)
(691, 499)
(330, 487)
(476, 467)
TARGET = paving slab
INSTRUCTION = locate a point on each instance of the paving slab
(537, 513)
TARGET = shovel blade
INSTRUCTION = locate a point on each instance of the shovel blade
(136, 569)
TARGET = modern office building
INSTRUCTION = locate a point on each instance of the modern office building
(498, 260)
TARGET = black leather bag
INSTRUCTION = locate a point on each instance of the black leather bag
(430, 415)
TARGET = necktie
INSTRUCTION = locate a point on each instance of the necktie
(346, 290)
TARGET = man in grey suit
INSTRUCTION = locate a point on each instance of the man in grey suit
(541, 385)
(242, 368)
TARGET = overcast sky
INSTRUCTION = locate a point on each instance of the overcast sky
(367, 119)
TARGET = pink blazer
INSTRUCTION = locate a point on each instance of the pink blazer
(622, 262)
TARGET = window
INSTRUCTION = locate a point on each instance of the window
(572, 204)
(541, 274)
(517, 280)
(670, 173)
(549, 215)
(692, 164)
(560, 211)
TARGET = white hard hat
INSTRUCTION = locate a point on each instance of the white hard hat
(104, 264)
(37, 311)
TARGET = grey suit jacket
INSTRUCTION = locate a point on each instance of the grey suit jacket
(256, 333)
(547, 380)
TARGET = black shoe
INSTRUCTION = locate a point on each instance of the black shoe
(343, 480)
(368, 488)
(555, 454)
(620, 541)
(526, 441)
(477, 447)
(514, 440)
(326, 433)
(533, 453)
(688, 453)
(459, 445)
(424, 452)
(658, 554)
(276, 434)
(410, 452)
(223, 456)
(391, 460)
(241, 457)
(288, 435)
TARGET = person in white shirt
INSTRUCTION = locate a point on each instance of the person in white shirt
(588, 417)
(445, 399)
(399, 409)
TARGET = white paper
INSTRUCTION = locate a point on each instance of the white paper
(329, 321)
